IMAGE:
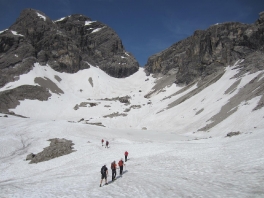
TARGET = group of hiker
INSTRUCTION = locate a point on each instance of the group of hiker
(106, 143)
(104, 169)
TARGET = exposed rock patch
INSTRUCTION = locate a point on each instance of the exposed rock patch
(251, 90)
(123, 99)
(90, 81)
(13, 114)
(84, 104)
(57, 78)
(200, 111)
(116, 114)
(162, 82)
(48, 84)
(214, 77)
(58, 147)
(252, 63)
(230, 134)
(233, 87)
(132, 107)
(9, 99)
(82, 119)
(96, 123)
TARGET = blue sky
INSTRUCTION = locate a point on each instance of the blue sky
(146, 27)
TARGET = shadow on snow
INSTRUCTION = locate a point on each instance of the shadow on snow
(118, 177)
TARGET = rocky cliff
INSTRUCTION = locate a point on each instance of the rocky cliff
(67, 45)
(208, 51)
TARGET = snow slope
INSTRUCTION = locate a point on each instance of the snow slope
(168, 155)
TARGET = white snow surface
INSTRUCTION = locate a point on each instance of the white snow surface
(170, 158)
(3, 31)
(89, 22)
(97, 30)
(41, 16)
(61, 19)
(15, 33)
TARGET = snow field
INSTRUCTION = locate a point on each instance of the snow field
(171, 158)
(216, 167)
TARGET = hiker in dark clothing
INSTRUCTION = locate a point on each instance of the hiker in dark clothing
(106, 144)
(113, 167)
(121, 164)
(126, 154)
(102, 142)
(104, 173)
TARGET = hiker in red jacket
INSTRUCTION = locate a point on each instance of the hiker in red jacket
(102, 142)
(106, 144)
(126, 154)
(113, 167)
(121, 164)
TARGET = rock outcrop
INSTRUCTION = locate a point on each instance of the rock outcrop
(99, 45)
(67, 45)
(9, 99)
(58, 147)
(209, 51)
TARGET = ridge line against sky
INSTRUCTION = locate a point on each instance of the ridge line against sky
(145, 27)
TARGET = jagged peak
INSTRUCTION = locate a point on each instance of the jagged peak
(261, 17)
(261, 14)
(74, 18)
(210, 50)
(66, 45)
(32, 13)
(31, 18)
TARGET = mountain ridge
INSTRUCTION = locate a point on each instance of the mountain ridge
(205, 136)
(157, 93)
(209, 51)
(67, 45)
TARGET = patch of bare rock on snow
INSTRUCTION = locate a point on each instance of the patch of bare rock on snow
(58, 147)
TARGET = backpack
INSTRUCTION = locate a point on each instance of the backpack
(112, 165)
(120, 163)
(103, 170)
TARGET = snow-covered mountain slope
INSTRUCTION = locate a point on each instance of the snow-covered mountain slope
(93, 97)
(175, 136)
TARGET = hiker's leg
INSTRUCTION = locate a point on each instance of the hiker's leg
(114, 174)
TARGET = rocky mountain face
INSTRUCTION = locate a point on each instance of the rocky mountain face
(67, 45)
(208, 52)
